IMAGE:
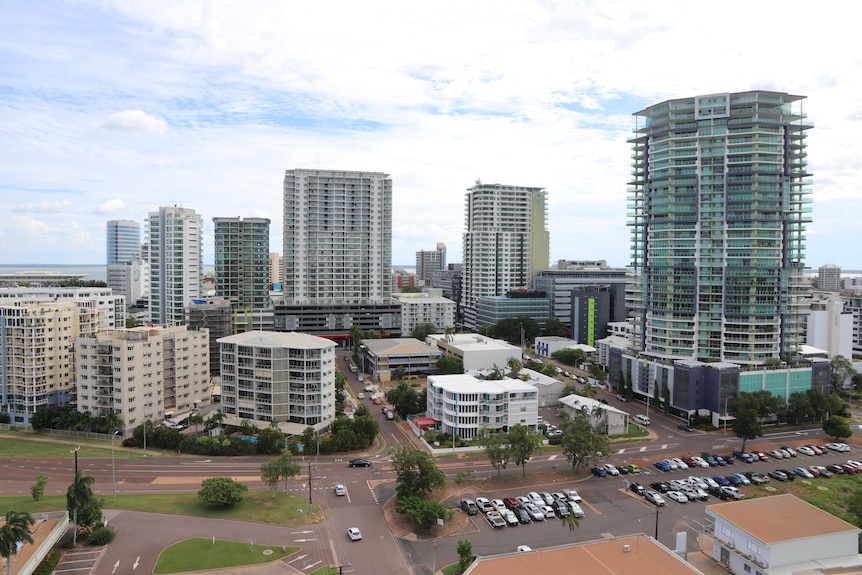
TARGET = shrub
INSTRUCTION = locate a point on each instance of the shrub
(101, 536)
(46, 567)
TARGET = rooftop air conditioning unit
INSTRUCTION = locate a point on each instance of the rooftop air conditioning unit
(626, 548)
(731, 545)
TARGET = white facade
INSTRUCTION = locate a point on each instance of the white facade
(111, 306)
(604, 346)
(337, 237)
(141, 374)
(174, 249)
(463, 405)
(550, 388)
(829, 278)
(419, 308)
(830, 328)
(37, 354)
(127, 279)
(604, 418)
(547, 345)
(477, 352)
(505, 243)
(288, 378)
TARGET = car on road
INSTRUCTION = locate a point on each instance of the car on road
(360, 395)
(495, 520)
(484, 504)
(654, 498)
(642, 419)
(637, 488)
(598, 471)
(621, 397)
(677, 496)
(511, 519)
(684, 427)
(340, 489)
(359, 463)
(354, 533)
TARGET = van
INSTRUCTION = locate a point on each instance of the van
(642, 419)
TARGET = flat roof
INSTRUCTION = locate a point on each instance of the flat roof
(778, 518)
(291, 339)
(462, 382)
(468, 341)
(632, 555)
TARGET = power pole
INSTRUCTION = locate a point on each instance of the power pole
(309, 486)
(656, 523)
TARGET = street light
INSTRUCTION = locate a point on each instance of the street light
(145, 437)
(75, 451)
(113, 464)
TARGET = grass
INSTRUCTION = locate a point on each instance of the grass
(203, 554)
(256, 506)
(15, 445)
(452, 569)
(833, 499)
(327, 570)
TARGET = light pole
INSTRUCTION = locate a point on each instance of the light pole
(726, 397)
(75, 451)
(145, 437)
(113, 465)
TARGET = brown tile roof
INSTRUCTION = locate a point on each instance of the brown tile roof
(604, 557)
(779, 518)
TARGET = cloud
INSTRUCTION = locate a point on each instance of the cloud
(110, 207)
(134, 121)
(44, 207)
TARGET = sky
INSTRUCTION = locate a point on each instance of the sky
(109, 110)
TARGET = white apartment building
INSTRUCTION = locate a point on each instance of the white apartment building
(476, 352)
(128, 279)
(463, 405)
(112, 306)
(430, 307)
(288, 378)
(37, 354)
(506, 241)
(829, 326)
(142, 374)
(337, 237)
(174, 249)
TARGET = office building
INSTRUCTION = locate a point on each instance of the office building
(214, 315)
(829, 325)
(568, 275)
(829, 278)
(337, 237)
(521, 303)
(123, 241)
(143, 373)
(475, 351)
(591, 313)
(128, 280)
(719, 199)
(506, 242)
(386, 357)
(285, 378)
(37, 354)
(174, 238)
(429, 263)
(242, 259)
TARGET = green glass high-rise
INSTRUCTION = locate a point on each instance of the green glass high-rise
(717, 207)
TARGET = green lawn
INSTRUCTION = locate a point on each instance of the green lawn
(256, 506)
(14, 445)
(203, 554)
(328, 570)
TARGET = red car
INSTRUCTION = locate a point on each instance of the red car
(689, 461)
(511, 503)
(760, 455)
(376, 401)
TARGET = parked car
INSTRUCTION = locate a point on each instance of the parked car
(812, 469)
(561, 509)
(484, 505)
(535, 498)
(719, 459)
(791, 476)
(660, 486)
(662, 466)
(511, 503)
(599, 471)
(359, 463)
(654, 498)
(642, 419)
(804, 473)
(824, 472)
(710, 482)
(743, 480)
(637, 488)
(777, 475)
(360, 395)
(757, 478)
(743, 456)
(573, 496)
(709, 459)
(775, 454)
(680, 464)
(721, 480)
(495, 520)
(699, 461)
(696, 493)
(733, 492)
(697, 482)
(817, 449)
(805, 450)
(499, 505)
(511, 518)
(523, 500)
(546, 497)
(522, 515)
(836, 469)
(575, 509)
(612, 469)
(677, 496)
(548, 511)
(789, 450)
(468, 506)
(535, 513)
(634, 469)
(760, 455)
(839, 447)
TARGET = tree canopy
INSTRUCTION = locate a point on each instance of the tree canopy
(221, 492)
(522, 445)
(416, 473)
(510, 329)
(837, 427)
(581, 444)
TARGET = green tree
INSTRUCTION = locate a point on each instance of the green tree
(405, 399)
(465, 554)
(422, 512)
(522, 445)
(411, 289)
(510, 329)
(270, 440)
(842, 371)
(747, 423)
(555, 327)
(819, 404)
(450, 365)
(423, 330)
(497, 449)
(572, 357)
(278, 469)
(837, 427)
(416, 473)
(215, 420)
(197, 420)
(799, 407)
(589, 391)
(221, 492)
(515, 366)
(13, 532)
(38, 490)
(78, 496)
(581, 445)
(549, 369)
(665, 397)
(572, 522)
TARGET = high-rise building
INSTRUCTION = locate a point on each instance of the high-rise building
(337, 237)
(829, 278)
(123, 241)
(112, 307)
(506, 241)
(718, 203)
(429, 263)
(214, 315)
(174, 238)
(275, 269)
(242, 261)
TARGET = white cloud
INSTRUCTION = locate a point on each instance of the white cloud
(134, 121)
(111, 207)
(44, 207)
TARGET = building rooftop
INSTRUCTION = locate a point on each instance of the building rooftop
(779, 518)
(576, 401)
(463, 383)
(399, 346)
(474, 341)
(629, 555)
(278, 339)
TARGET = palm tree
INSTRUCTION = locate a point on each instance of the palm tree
(16, 530)
(216, 419)
(196, 419)
(78, 496)
(572, 523)
(515, 366)
(112, 421)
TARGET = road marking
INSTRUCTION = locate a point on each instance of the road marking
(312, 565)
(642, 448)
(551, 458)
(298, 558)
(303, 540)
(301, 532)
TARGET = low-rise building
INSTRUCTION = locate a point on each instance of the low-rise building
(550, 388)
(462, 404)
(492, 309)
(426, 307)
(546, 345)
(385, 356)
(111, 305)
(605, 418)
(782, 534)
(477, 352)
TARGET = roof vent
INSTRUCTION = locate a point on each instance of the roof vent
(626, 548)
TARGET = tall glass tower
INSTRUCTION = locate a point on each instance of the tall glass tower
(176, 262)
(242, 261)
(717, 206)
(123, 241)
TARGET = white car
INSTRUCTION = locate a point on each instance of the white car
(677, 496)
(654, 498)
(360, 395)
(573, 496)
(840, 447)
(523, 500)
(535, 498)
(548, 511)
(700, 461)
(547, 497)
(484, 504)
(534, 512)
(672, 464)
(612, 469)
(697, 482)
(710, 482)
(524, 548)
(805, 450)
(680, 464)
(340, 489)
(499, 505)
(354, 534)
(677, 484)
(575, 509)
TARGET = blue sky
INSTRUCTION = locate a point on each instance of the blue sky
(109, 110)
